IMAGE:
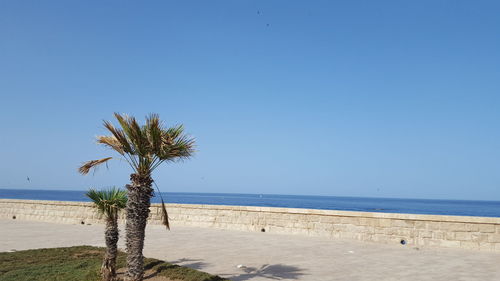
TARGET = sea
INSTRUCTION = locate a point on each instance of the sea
(362, 204)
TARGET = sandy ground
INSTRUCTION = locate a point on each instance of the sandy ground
(266, 256)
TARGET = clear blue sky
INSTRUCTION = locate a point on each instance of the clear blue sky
(347, 98)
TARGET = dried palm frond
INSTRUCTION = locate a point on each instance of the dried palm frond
(92, 164)
(120, 137)
(164, 215)
(111, 142)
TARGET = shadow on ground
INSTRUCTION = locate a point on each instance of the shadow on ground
(274, 271)
(191, 263)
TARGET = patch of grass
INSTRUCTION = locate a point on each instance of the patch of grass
(81, 263)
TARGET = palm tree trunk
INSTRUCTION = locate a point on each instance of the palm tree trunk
(108, 269)
(139, 196)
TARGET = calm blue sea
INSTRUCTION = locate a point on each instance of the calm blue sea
(387, 205)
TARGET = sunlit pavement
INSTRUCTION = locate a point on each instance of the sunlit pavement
(264, 256)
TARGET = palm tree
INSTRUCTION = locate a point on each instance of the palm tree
(109, 202)
(144, 148)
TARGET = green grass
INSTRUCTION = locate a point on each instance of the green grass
(81, 263)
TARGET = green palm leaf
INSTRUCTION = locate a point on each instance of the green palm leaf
(109, 201)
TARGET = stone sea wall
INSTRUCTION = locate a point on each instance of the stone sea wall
(479, 233)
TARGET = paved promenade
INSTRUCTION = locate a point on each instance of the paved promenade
(267, 256)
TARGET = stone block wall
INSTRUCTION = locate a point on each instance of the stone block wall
(478, 233)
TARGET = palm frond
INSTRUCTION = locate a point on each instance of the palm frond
(133, 133)
(92, 164)
(164, 215)
(146, 146)
(111, 142)
(120, 137)
(173, 133)
(108, 201)
(153, 130)
(139, 138)
(180, 148)
(122, 120)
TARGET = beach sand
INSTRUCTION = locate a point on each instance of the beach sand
(263, 256)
